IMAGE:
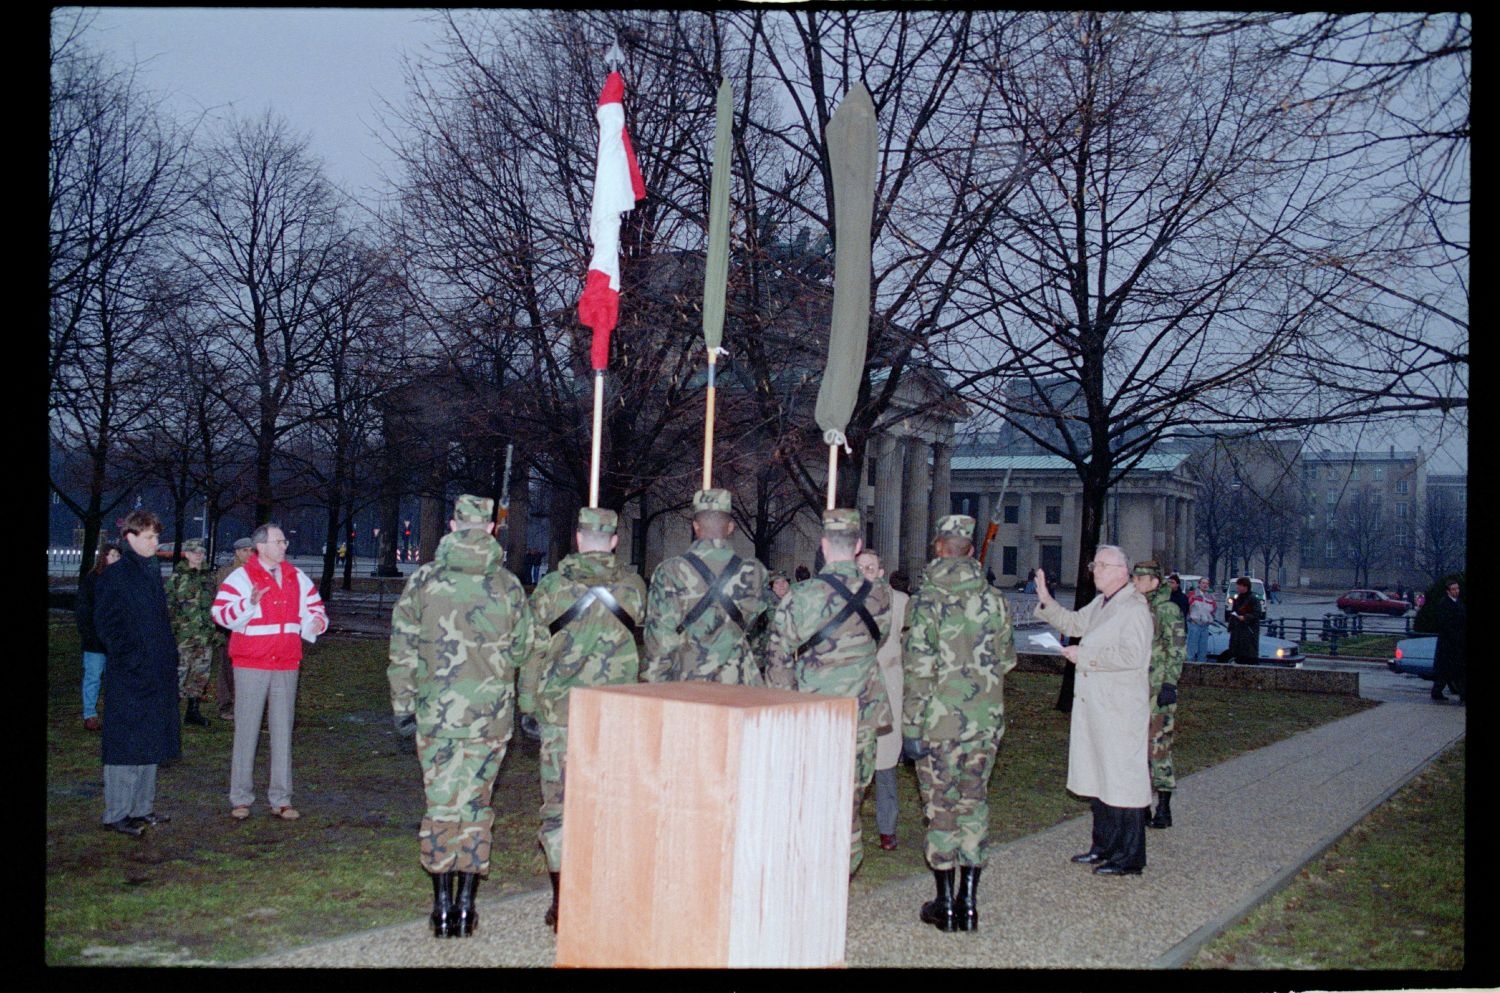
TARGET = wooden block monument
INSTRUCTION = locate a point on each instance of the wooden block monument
(705, 826)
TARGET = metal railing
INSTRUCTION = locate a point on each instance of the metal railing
(1332, 628)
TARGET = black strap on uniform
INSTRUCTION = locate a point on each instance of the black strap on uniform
(715, 592)
(853, 602)
(605, 597)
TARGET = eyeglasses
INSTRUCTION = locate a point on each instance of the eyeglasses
(276, 541)
(1095, 566)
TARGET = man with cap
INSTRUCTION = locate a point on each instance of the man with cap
(1168, 653)
(459, 634)
(959, 645)
(224, 685)
(824, 639)
(703, 603)
(587, 612)
(190, 597)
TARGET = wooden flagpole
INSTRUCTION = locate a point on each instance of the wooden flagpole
(833, 474)
(598, 430)
(708, 424)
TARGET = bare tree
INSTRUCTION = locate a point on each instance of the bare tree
(1362, 531)
(1442, 534)
(264, 235)
(115, 188)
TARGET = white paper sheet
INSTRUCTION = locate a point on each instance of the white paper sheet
(1046, 640)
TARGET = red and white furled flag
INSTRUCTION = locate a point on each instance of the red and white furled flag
(617, 186)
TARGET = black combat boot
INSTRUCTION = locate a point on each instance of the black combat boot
(1163, 818)
(939, 911)
(192, 716)
(465, 914)
(966, 901)
(550, 917)
(442, 904)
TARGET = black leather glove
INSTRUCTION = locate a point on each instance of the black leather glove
(913, 749)
(1167, 695)
(406, 724)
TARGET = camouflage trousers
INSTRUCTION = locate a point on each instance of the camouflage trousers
(553, 767)
(954, 777)
(1163, 720)
(864, 772)
(194, 664)
(458, 775)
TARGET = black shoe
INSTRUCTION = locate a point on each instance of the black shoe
(1111, 869)
(1088, 858)
(133, 826)
(465, 914)
(1163, 818)
(550, 917)
(442, 905)
(193, 716)
(966, 900)
(154, 818)
(939, 911)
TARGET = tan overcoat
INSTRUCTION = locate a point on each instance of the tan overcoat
(1111, 730)
(888, 746)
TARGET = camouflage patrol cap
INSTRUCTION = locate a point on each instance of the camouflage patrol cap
(194, 545)
(598, 519)
(956, 526)
(1147, 568)
(240, 543)
(841, 520)
(778, 574)
(711, 500)
(471, 509)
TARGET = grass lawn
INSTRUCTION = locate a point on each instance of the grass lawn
(1389, 895)
(207, 889)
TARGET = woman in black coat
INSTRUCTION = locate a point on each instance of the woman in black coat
(1243, 615)
(93, 648)
(140, 681)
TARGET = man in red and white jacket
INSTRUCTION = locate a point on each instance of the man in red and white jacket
(270, 607)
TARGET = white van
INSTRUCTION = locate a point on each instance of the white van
(1257, 587)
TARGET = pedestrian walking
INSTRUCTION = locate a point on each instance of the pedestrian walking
(958, 647)
(1448, 661)
(588, 610)
(459, 634)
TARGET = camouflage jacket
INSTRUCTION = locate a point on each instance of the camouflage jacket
(1168, 640)
(713, 647)
(190, 596)
(959, 645)
(458, 635)
(843, 665)
(594, 649)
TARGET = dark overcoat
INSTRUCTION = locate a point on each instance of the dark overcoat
(83, 614)
(141, 723)
(1244, 635)
(1450, 622)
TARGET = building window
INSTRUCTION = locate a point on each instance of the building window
(1401, 486)
(963, 503)
(1008, 560)
(1379, 472)
(1013, 513)
(1054, 514)
(1330, 551)
(1401, 533)
(1400, 511)
(1331, 498)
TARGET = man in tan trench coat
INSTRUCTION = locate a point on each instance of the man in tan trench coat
(1108, 759)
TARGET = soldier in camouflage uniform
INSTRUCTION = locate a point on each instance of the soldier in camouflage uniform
(190, 596)
(959, 646)
(703, 603)
(459, 633)
(587, 611)
(777, 587)
(824, 636)
(1168, 652)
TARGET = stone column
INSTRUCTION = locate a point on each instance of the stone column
(1070, 527)
(1158, 528)
(915, 500)
(888, 484)
(942, 490)
(1025, 542)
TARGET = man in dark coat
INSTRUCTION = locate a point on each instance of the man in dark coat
(140, 682)
(1448, 663)
(1243, 616)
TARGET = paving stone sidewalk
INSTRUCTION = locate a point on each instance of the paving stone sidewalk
(1241, 830)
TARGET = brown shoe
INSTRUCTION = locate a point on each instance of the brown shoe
(92, 724)
(285, 813)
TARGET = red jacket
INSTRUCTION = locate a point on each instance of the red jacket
(268, 635)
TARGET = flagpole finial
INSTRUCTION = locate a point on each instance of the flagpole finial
(614, 58)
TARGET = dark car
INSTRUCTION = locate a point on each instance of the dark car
(1414, 656)
(1371, 602)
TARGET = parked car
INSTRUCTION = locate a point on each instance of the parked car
(1371, 602)
(1273, 651)
(1414, 656)
(1257, 589)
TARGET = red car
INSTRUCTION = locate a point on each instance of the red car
(1371, 602)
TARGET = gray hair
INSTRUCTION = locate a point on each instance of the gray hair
(1124, 559)
(262, 534)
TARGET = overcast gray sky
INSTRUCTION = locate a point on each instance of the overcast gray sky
(323, 69)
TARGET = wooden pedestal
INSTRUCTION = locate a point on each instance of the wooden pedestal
(705, 825)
